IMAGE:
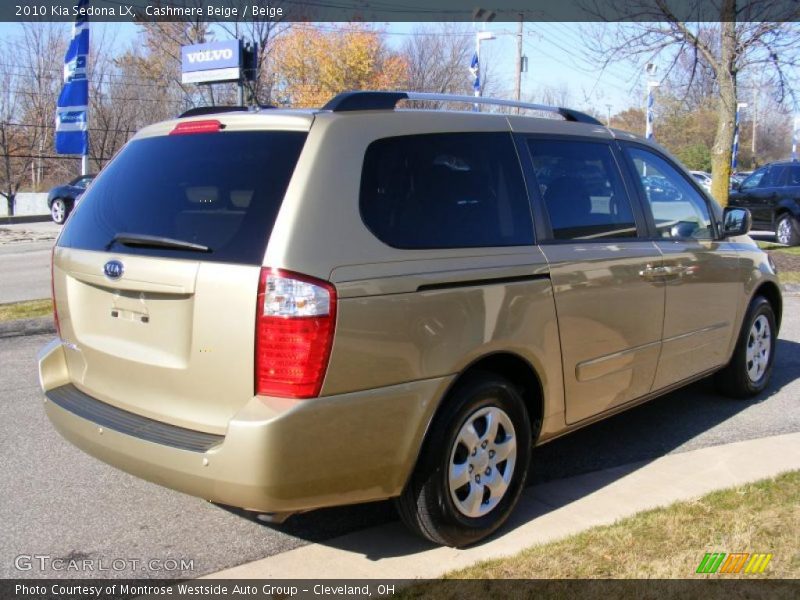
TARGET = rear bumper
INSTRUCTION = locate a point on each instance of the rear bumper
(276, 456)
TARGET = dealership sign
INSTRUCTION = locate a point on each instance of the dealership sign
(212, 62)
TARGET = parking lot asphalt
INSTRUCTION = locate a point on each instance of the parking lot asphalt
(57, 502)
(25, 260)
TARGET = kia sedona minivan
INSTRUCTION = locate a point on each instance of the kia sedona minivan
(304, 308)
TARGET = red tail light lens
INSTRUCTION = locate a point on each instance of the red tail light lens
(53, 290)
(294, 333)
(204, 126)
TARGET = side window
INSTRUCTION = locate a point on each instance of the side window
(754, 181)
(448, 190)
(794, 176)
(775, 177)
(679, 211)
(582, 190)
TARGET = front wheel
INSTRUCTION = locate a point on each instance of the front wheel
(787, 230)
(473, 464)
(59, 210)
(750, 368)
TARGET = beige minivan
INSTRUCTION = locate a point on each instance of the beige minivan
(282, 310)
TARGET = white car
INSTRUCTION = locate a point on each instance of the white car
(703, 179)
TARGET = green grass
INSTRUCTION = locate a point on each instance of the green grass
(669, 542)
(779, 247)
(26, 310)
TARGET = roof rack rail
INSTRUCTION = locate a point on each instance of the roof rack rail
(348, 101)
(199, 111)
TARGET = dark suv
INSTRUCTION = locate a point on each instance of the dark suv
(772, 193)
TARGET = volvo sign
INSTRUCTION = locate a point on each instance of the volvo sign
(211, 63)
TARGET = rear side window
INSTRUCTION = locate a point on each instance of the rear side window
(221, 191)
(794, 175)
(582, 190)
(449, 190)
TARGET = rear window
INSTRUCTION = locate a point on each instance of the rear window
(221, 191)
(449, 190)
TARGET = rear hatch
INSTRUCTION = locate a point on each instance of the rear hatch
(156, 272)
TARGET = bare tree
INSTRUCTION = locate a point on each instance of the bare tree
(264, 33)
(745, 37)
(18, 140)
(40, 52)
(438, 58)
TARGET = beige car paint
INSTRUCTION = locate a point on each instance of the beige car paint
(409, 322)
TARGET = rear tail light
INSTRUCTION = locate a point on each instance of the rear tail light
(294, 333)
(53, 290)
(204, 126)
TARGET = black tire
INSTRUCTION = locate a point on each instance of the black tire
(787, 230)
(735, 380)
(426, 505)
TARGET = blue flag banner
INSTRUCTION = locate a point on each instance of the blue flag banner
(474, 68)
(735, 153)
(72, 133)
(650, 115)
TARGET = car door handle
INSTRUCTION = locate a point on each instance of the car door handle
(674, 271)
(651, 272)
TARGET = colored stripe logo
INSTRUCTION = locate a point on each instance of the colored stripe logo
(720, 562)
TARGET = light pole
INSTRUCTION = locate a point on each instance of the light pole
(739, 106)
(481, 36)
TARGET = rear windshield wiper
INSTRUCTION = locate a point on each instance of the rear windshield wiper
(155, 241)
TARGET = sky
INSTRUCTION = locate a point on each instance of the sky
(554, 52)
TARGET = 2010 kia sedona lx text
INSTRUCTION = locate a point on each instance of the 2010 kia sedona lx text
(282, 310)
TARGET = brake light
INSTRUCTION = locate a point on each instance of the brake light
(203, 126)
(294, 334)
(53, 290)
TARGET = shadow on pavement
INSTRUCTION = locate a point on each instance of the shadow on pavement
(618, 445)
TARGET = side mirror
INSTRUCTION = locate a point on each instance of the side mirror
(736, 221)
(736, 185)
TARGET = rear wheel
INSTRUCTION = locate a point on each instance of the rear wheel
(787, 230)
(750, 369)
(59, 210)
(473, 465)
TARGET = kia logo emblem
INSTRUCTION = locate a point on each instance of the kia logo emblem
(113, 269)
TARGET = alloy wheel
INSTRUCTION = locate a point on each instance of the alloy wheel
(482, 462)
(58, 211)
(759, 347)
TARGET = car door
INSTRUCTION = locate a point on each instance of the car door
(609, 306)
(759, 193)
(700, 271)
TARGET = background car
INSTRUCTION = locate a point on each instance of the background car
(703, 179)
(61, 199)
(772, 194)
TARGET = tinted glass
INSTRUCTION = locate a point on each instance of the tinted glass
(582, 190)
(794, 175)
(774, 177)
(679, 211)
(450, 190)
(754, 180)
(219, 190)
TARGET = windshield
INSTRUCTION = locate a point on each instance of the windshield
(220, 191)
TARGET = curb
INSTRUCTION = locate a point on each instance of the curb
(547, 512)
(20, 327)
(25, 219)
